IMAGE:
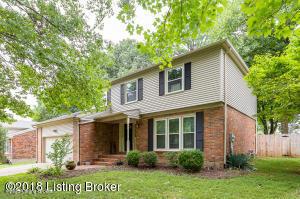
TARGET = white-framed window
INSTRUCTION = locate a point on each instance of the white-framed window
(175, 133)
(131, 91)
(174, 79)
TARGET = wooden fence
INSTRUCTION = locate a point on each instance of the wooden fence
(278, 145)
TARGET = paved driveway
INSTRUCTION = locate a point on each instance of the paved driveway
(21, 169)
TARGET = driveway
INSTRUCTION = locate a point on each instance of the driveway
(21, 169)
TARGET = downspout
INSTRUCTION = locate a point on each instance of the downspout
(225, 108)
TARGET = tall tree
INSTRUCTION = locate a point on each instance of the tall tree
(126, 57)
(48, 49)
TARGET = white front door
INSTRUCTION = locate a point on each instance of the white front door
(48, 142)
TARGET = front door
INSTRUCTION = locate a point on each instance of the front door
(130, 137)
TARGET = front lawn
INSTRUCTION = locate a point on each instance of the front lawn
(274, 178)
(16, 164)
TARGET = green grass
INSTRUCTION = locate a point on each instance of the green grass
(274, 178)
(16, 164)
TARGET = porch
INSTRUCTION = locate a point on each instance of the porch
(108, 138)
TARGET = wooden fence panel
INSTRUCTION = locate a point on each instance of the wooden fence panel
(277, 145)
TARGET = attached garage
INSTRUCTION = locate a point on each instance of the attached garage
(48, 141)
(51, 130)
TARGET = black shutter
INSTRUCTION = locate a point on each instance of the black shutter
(150, 134)
(109, 96)
(122, 93)
(161, 83)
(140, 89)
(187, 76)
(199, 130)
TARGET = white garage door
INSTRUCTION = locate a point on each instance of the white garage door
(48, 142)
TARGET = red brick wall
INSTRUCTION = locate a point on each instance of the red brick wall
(97, 138)
(244, 129)
(24, 146)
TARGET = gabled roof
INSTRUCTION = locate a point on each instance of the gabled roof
(225, 44)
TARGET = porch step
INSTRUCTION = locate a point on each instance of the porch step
(108, 159)
(114, 156)
(102, 163)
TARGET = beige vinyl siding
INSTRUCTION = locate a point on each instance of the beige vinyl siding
(239, 95)
(206, 88)
(58, 129)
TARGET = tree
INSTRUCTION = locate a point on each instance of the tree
(275, 80)
(48, 49)
(61, 148)
(3, 132)
(177, 21)
(41, 113)
(126, 58)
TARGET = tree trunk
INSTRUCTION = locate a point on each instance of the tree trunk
(285, 127)
(273, 126)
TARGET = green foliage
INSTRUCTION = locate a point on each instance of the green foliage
(172, 158)
(240, 161)
(277, 17)
(49, 50)
(150, 158)
(52, 172)
(195, 22)
(133, 158)
(35, 170)
(275, 80)
(191, 160)
(3, 132)
(126, 58)
(61, 148)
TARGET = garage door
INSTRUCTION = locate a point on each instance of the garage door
(48, 142)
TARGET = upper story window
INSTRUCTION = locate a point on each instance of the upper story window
(175, 80)
(131, 91)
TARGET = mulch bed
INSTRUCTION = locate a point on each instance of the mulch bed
(204, 173)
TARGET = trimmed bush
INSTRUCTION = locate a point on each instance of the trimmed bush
(150, 158)
(191, 160)
(172, 158)
(133, 158)
(240, 161)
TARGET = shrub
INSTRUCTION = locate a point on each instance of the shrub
(172, 158)
(52, 172)
(150, 158)
(34, 170)
(191, 160)
(133, 158)
(70, 165)
(61, 148)
(240, 161)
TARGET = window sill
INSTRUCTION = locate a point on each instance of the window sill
(175, 92)
(131, 102)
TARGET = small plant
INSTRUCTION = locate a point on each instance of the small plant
(191, 160)
(61, 148)
(133, 158)
(172, 158)
(240, 161)
(52, 172)
(70, 165)
(34, 170)
(150, 158)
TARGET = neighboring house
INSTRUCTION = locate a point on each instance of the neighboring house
(21, 141)
(196, 104)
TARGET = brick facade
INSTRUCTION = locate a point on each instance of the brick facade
(103, 138)
(96, 139)
(244, 129)
(24, 145)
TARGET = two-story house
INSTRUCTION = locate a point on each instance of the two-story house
(196, 104)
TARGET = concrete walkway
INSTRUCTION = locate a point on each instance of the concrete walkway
(21, 168)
